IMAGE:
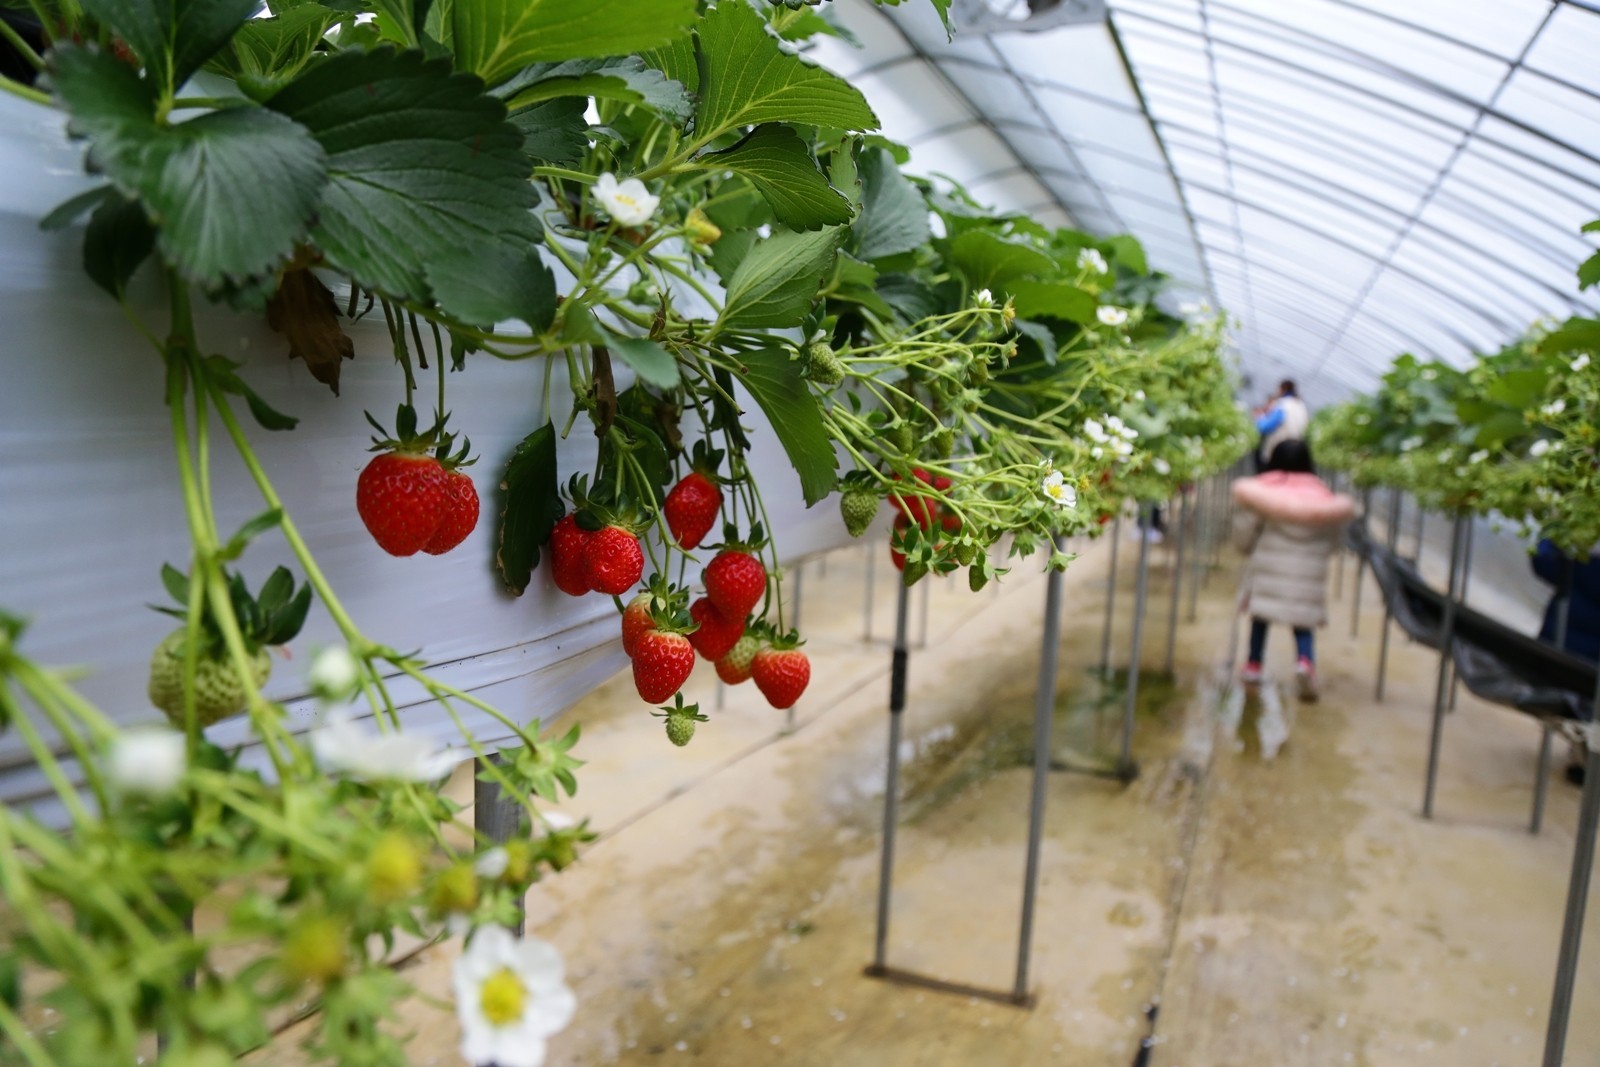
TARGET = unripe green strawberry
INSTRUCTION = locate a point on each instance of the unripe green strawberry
(858, 507)
(976, 579)
(822, 366)
(680, 728)
(734, 667)
(901, 438)
(218, 690)
(942, 444)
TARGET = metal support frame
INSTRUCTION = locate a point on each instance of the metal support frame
(1339, 552)
(1202, 519)
(871, 582)
(1044, 712)
(1126, 768)
(1555, 1042)
(1177, 580)
(497, 819)
(1393, 536)
(1361, 563)
(1541, 784)
(1111, 596)
(1466, 573)
(1447, 633)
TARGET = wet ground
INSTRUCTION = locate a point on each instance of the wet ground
(1264, 892)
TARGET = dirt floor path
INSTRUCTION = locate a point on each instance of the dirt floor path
(1264, 893)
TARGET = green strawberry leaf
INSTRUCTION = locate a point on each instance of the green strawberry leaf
(173, 37)
(677, 61)
(747, 78)
(647, 359)
(176, 583)
(1126, 251)
(66, 213)
(1589, 272)
(118, 239)
(894, 217)
(555, 131)
(776, 383)
(775, 284)
(267, 53)
(1053, 300)
(989, 261)
(532, 504)
(779, 164)
(221, 374)
(623, 78)
(1576, 334)
(421, 156)
(236, 545)
(496, 38)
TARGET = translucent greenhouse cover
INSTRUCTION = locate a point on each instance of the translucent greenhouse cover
(1348, 180)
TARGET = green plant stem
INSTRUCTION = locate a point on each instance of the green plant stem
(43, 696)
(568, 175)
(24, 49)
(17, 1033)
(25, 92)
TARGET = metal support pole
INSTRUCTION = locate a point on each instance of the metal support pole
(1111, 596)
(1555, 1043)
(1125, 767)
(1202, 516)
(794, 599)
(1447, 633)
(1177, 581)
(1422, 515)
(1466, 573)
(1044, 710)
(922, 625)
(497, 819)
(1383, 640)
(1543, 777)
(1340, 552)
(871, 583)
(1355, 596)
(891, 791)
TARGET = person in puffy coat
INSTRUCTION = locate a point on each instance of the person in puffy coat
(1288, 522)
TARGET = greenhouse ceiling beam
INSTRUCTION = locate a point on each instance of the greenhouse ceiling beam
(1166, 157)
(1397, 72)
(1443, 92)
(1394, 216)
(1444, 174)
(1549, 251)
(960, 93)
(1342, 242)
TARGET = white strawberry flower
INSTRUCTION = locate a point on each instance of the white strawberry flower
(983, 298)
(334, 675)
(1122, 448)
(1056, 488)
(1580, 363)
(1162, 466)
(1554, 408)
(492, 863)
(1479, 456)
(1110, 315)
(511, 994)
(147, 761)
(1094, 431)
(1096, 452)
(628, 202)
(343, 747)
(1409, 443)
(1539, 448)
(1091, 259)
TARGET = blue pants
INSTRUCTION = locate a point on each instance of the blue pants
(1258, 641)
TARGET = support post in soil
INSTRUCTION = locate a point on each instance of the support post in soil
(1111, 596)
(1126, 768)
(922, 624)
(1177, 581)
(1555, 1042)
(1393, 537)
(1202, 520)
(891, 790)
(1541, 784)
(498, 819)
(1466, 573)
(1044, 709)
(1355, 596)
(1447, 633)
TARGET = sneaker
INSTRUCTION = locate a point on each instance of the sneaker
(1306, 673)
(1251, 675)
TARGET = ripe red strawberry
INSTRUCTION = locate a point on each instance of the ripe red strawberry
(735, 582)
(460, 514)
(781, 675)
(661, 664)
(734, 667)
(691, 509)
(717, 633)
(635, 621)
(568, 542)
(613, 562)
(400, 496)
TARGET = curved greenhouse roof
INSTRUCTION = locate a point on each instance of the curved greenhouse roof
(1348, 180)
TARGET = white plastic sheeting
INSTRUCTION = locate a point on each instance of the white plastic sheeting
(1348, 179)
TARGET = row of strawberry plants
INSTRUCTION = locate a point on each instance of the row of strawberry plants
(455, 167)
(1512, 435)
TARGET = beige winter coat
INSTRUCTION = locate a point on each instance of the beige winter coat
(1289, 525)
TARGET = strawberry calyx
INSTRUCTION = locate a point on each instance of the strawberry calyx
(668, 605)
(271, 617)
(782, 642)
(732, 542)
(705, 461)
(681, 710)
(407, 438)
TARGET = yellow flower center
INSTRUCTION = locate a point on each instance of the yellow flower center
(503, 997)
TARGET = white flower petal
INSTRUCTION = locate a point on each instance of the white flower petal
(1111, 316)
(983, 298)
(334, 674)
(492, 864)
(147, 760)
(1580, 363)
(1091, 259)
(343, 747)
(628, 202)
